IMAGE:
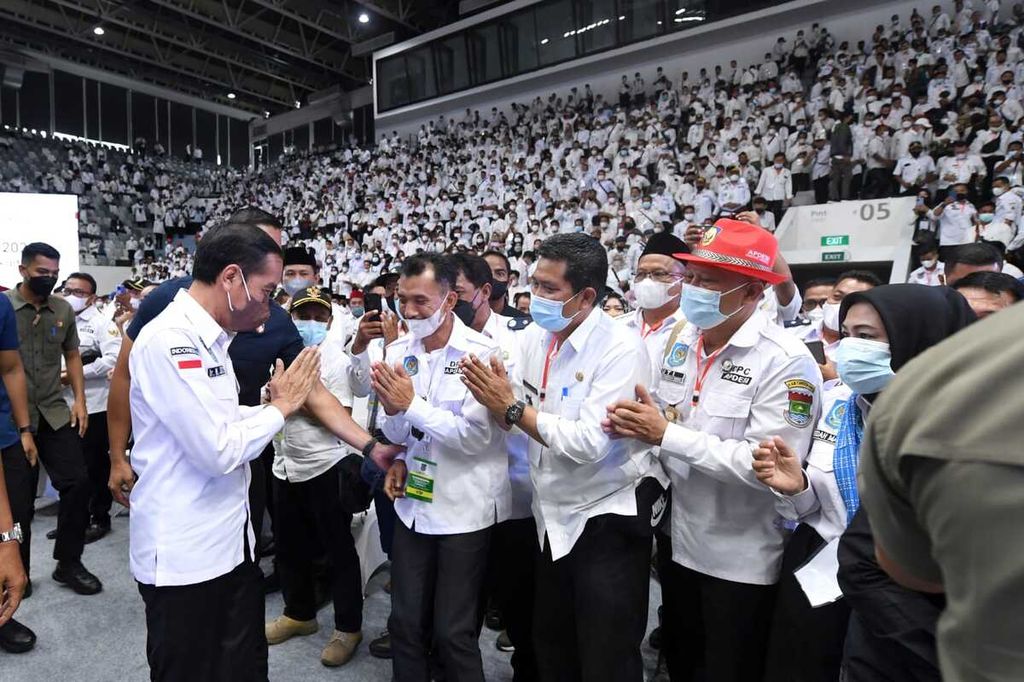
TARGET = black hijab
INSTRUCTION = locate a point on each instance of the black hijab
(916, 317)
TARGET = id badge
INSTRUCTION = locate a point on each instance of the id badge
(419, 485)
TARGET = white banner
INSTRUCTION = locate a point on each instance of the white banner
(27, 218)
(869, 231)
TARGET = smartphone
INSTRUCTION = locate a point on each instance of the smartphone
(372, 303)
(817, 349)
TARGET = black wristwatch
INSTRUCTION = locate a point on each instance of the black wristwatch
(368, 448)
(26, 429)
(514, 412)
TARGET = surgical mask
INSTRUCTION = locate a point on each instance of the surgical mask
(986, 217)
(816, 314)
(734, 178)
(548, 313)
(77, 303)
(689, 215)
(998, 191)
(651, 294)
(930, 263)
(864, 365)
(295, 285)
(313, 332)
(357, 311)
(702, 307)
(249, 318)
(646, 204)
(778, 166)
(421, 329)
(41, 286)
(830, 316)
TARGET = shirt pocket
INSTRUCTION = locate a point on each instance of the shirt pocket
(570, 408)
(728, 414)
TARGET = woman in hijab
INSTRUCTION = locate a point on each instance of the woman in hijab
(891, 630)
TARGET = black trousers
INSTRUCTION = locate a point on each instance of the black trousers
(513, 562)
(821, 190)
(436, 587)
(60, 451)
(96, 449)
(261, 494)
(211, 631)
(590, 606)
(775, 206)
(806, 643)
(312, 523)
(711, 629)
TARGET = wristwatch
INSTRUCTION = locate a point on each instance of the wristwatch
(368, 448)
(26, 429)
(13, 534)
(514, 412)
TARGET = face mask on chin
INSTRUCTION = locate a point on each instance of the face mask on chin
(422, 328)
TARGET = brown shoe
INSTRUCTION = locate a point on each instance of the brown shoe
(341, 648)
(283, 628)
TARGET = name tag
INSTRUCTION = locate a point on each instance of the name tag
(419, 485)
(217, 371)
(673, 376)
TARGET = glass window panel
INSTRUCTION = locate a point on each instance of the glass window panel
(639, 19)
(300, 138)
(67, 103)
(684, 14)
(598, 21)
(206, 135)
(239, 143)
(484, 54)
(419, 65)
(114, 101)
(452, 64)
(35, 101)
(181, 129)
(392, 83)
(92, 110)
(9, 106)
(519, 34)
(143, 118)
(556, 25)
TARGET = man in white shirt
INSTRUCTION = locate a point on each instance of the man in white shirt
(596, 500)
(451, 486)
(931, 272)
(99, 342)
(914, 171)
(956, 216)
(312, 517)
(776, 186)
(731, 379)
(191, 533)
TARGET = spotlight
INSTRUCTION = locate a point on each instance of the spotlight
(364, 18)
(231, 95)
(98, 30)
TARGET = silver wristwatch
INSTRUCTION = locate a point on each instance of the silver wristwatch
(13, 534)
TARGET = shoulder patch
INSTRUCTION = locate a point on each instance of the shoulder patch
(519, 323)
(800, 401)
(184, 350)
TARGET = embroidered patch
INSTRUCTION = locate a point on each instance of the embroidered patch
(835, 415)
(677, 356)
(453, 368)
(734, 373)
(217, 371)
(190, 364)
(184, 350)
(411, 365)
(800, 396)
(709, 235)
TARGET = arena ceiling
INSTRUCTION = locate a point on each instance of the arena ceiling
(269, 54)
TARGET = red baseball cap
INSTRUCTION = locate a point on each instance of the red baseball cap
(738, 247)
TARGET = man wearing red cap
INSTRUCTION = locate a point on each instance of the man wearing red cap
(730, 379)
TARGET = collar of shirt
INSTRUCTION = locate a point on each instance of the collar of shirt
(18, 302)
(579, 336)
(748, 333)
(210, 332)
(456, 340)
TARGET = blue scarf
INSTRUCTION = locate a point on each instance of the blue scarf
(847, 455)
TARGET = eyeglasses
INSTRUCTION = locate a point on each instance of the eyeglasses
(658, 275)
(68, 291)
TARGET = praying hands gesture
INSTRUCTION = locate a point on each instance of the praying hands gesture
(393, 387)
(489, 384)
(640, 419)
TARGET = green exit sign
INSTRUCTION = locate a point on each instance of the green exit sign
(836, 240)
(833, 256)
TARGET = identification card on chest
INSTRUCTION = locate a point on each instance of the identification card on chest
(419, 484)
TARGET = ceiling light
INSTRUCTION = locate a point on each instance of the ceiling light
(231, 95)
(98, 30)
(298, 104)
(364, 18)
(544, 42)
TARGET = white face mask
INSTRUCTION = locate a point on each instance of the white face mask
(830, 316)
(78, 303)
(816, 314)
(651, 294)
(930, 264)
(420, 329)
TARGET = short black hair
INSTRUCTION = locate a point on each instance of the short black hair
(926, 245)
(251, 215)
(445, 272)
(820, 282)
(992, 282)
(241, 244)
(865, 276)
(29, 253)
(978, 253)
(84, 276)
(586, 261)
(499, 254)
(474, 268)
(515, 299)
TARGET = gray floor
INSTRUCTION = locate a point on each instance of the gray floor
(102, 637)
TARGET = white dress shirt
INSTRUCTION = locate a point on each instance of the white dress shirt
(471, 484)
(307, 449)
(654, 338)
(582, 472)
(775, 185)
(190, 505)
(97, 334)
(929, 278)
(763, 383)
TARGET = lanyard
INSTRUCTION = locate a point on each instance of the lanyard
(552, 352)
(646, 330)
(702, 374)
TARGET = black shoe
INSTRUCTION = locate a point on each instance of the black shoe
(74, 575)
(493, 620)
(655, 639)
(271, 583)
(28, 591)
(51, 534)
(268, 548)
(381, 647)
(15, 638)
(95, 531)
(504, 642)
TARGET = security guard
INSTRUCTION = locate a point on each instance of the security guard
(730, 379)
(450, 487)
(514, 547)
(99, 342)
(192, 542)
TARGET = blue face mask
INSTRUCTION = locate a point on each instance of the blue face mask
(864, 365)
(295, 285)
(357, 311)
(313, 332)
(548, 314)
(702, 307)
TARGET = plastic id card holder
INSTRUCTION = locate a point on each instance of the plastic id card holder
(419, 484)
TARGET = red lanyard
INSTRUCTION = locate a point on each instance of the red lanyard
(646, 330)
(552, 352)
(702, 374)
